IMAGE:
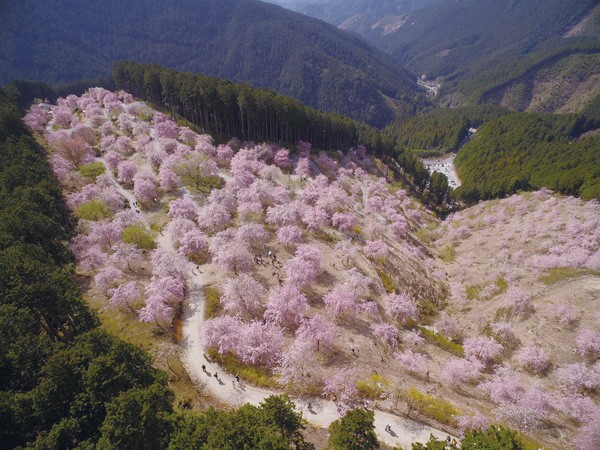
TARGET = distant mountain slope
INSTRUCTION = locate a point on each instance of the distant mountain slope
(449, 37)
(242, 40)
(355, 15)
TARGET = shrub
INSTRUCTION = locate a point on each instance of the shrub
(93, 210)
(92, 170)
(447, 253)
(437, 409)
(139, 236)
(373, 387)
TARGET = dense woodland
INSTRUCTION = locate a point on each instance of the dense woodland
(227, 110)
(241, 40)
(525, 151)
(441, 130)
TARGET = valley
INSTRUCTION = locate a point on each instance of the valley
(300, 224)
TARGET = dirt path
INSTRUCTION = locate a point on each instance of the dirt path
(224, 388)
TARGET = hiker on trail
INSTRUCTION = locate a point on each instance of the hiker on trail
(216, 376)
(203, 368)
(388, 428)
(237, 378)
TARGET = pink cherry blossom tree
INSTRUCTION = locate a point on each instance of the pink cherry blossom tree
(578, 377)
(476, 422)
(534, 358)
(303, 168)
(253, 235)
(286, 306)
(125, 295)
(458, 371)
(157, 311)
(563, 314)
(282, 159)
(107, 278)
(261, 343)
(243, 294)
(376, 249)
(341, 300)
(588, 343)
(193, 243)
(411, 361)
(168, 263)
(518, 302)
(447, 327)
(588, 435)
(344, 222)
(386, 334)
(315, 219)
(126, 257)
(299, 366)
(401, 307)
(184, 208)
(483, 349)
(304, 268)
(342, 385)
(144, 187)
(223, 333)
(214, 217)
(290, 236)
(317, 331)
(233, 257)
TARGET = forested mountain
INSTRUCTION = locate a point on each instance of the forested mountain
(451, 38)
(241, 40)
(527, 56)
(361, 16)
(528, 151)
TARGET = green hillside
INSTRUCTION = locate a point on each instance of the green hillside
(525, 151)
(440, 130)
(241, 40)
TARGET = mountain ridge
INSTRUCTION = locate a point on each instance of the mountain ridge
(241, 40)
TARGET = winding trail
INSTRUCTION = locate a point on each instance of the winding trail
(403, 433)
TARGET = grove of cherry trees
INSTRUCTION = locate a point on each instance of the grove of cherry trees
(333, 279)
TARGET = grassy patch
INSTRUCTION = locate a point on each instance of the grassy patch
(441, 341)
(473, 291)
(427, 307)
(447, 253)
(92, 170)
(93, 210)
(427, 234)
(435, 408)
(502, 285)
(529, 443)
(387, 281)
(373, 387)
(212, 302)
(258, 376)
(558, 274)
